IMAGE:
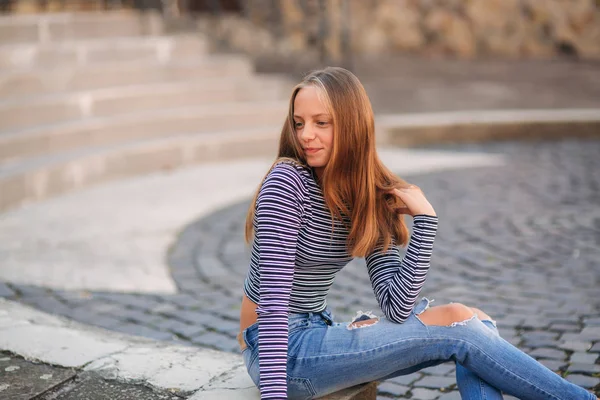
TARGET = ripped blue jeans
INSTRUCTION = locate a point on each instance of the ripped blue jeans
(326, 356)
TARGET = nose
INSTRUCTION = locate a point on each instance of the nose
(307, 134)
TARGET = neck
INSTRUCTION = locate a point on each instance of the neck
(319, 173)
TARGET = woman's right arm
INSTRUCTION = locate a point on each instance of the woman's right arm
(397, 282)
(277, 223)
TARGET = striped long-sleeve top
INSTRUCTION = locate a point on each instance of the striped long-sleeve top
(296, 254)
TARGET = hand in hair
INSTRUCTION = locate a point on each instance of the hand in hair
(414, 200)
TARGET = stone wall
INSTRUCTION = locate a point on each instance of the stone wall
(462, 28)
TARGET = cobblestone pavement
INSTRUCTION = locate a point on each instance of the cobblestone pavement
(521, 242)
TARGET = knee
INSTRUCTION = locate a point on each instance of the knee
(447, 314)
(459, 312)
(480, 314)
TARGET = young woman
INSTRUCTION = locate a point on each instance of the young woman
(328, 198)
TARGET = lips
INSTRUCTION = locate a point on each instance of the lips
(310, 150)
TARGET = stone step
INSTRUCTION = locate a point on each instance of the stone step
(124, 128)
(73, 78)
(48, 175)
(161, 49)
(58, 27)
(26, 111)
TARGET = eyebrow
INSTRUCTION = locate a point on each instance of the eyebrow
(314, 116)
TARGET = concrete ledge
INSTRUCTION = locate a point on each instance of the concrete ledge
(161, 49)
(94, 76)
(478, 126)
(42, 178)
(28, 112)
(44, 28)
(126, 128)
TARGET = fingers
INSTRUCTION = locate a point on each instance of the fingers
(405, 188)
(414, 199)
(403, 211)
(411, 187)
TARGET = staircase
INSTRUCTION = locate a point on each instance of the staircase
(88, 97)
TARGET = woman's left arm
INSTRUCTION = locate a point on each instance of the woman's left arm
(397, 283)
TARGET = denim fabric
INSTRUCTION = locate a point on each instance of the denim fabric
(325, 356)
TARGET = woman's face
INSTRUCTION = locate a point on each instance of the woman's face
(314, 126)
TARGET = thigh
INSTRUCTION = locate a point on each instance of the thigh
(335, 357)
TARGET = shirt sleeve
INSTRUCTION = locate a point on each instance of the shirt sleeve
(397, 283)
(277, 223)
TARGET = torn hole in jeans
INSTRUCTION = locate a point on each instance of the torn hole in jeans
(363, 319)
(461, 323)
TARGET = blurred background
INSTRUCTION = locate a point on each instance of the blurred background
(67, 66)
(133, 133)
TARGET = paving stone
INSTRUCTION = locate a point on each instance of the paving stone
(393, 389)
(590, 332)
(535, 323)
(145, 331)
(103, 307)
(227, 327)
(585, 358)
(578, 345)
(137, 301)
(30, 291)
(539, 335)
(561, 327)
(185, 301)
(454, 395)
(48, 304)
(135, 315)
(195, 317)
(535, 343)
(595, 348)
(436, 382)
(442, 369)
(425, 394)
(6, 291)
(74, 298)
(230, 313)
(592, 321)
(165, 308)
(584, 368)
(548, 353)
(554, 365)
(216, 340)
(509, 321)
(406, 379)
(186, 330)
(102, 321)
(587, 382)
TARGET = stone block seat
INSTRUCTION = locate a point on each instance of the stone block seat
(237, 385)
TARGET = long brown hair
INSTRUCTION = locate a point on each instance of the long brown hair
(355, 182)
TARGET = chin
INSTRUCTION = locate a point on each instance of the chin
(315, 164)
